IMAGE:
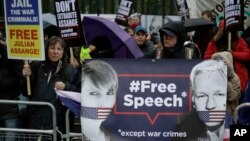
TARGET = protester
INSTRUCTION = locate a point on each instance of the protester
(99, 88)
(50, 31)
(46, 76)
(129, 30)
(207, 15)
(246, 36)
(208, 98)
(142, 39)
(173, 35)
(233, 83)
(203, 35)
(85, 53)
(74, 53)
(101, 47)
(156, 23)
(239, 51)
(134, 20)
(10, 89)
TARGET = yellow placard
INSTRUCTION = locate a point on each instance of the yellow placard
(24, 42)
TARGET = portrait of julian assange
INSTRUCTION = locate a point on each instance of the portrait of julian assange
(206, 121)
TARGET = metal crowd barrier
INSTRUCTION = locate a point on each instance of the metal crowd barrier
(32, 133)
(236, 113)
(70, 136)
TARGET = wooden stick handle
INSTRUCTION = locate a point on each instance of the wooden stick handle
(28, 80)
(71, 53)
(229, 41)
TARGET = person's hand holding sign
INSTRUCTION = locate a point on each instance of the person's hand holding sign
(26, 70)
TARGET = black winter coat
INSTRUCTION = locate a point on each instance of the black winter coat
(178, 51)
(42, 89)
(10, 80)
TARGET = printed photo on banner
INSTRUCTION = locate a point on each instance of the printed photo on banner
(209, 96)
(98, 96)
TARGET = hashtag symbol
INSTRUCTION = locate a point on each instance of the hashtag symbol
(134, 86)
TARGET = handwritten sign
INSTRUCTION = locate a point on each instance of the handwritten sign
(24, 30)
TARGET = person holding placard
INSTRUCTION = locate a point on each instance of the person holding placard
(46, 76)
(238, 49)
(233, 84)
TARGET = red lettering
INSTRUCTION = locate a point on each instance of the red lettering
(24, 34)
(34, 34)
(19, 34)
(12, 33)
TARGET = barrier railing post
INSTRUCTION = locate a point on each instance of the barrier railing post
(236, 113)
(68, 133)
(52, 132)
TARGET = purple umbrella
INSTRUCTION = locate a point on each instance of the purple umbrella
(123, 45)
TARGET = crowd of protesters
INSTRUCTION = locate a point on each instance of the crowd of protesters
(209, 43)
(61, 73)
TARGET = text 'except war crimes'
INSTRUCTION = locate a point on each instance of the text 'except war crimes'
(169, 99)
(140, 134)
